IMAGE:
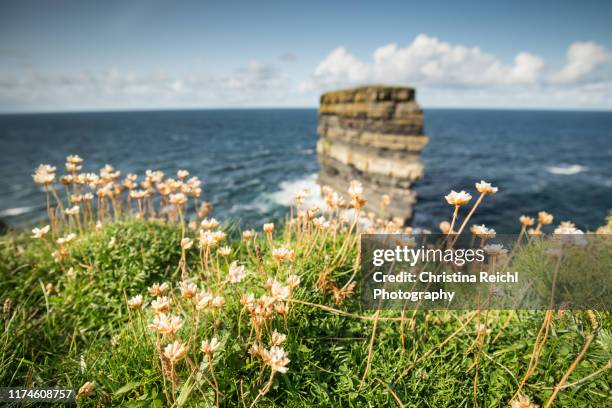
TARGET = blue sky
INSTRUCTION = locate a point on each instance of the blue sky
(61, 55)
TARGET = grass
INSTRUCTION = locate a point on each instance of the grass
(86, 333)
(66, 320)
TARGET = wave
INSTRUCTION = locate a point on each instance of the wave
(288, 189)
(13, 212)
(566, 170)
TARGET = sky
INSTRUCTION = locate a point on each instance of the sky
(116, 55)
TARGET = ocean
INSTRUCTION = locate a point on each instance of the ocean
(252, 162)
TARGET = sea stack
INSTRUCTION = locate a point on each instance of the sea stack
(373, 134)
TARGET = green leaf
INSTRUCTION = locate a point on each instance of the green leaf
(127, 387)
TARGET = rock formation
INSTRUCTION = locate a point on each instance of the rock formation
(373, 134)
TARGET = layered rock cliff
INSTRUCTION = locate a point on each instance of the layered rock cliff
(373, 134)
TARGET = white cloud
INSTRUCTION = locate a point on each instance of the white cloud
(427, 60)
(33, 89)
(445, 72)
(582, 59)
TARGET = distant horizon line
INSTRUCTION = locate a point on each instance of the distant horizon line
(142, 110)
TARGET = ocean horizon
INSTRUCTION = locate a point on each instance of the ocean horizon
(252, 161)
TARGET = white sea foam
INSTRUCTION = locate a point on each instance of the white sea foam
(566, 170)
(13, 212)
(288, 189)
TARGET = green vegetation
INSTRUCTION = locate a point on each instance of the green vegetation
(123, 299)
(81, 330)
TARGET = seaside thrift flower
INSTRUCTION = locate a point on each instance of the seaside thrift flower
(38, 233)
(532, 231)
(526, 221)
(445, 227)
(207, 239)
(87, 389)
(268, 228)
(135, 302)
(277, 338)
(281, 309)
(224, 251)
(99, 225)
(166, 325)
(458, 198)
(178, 199)
(75, 198)
(158, 289)
(355, 188)
(357, 202)
(203, 299)
(385, 200)
(300, 197)
(185, 189)
(160, 304)
(50, 289)
(283, 254)
(312, 212)
(567, 228)
(321, 223)
(68, 238)
(218, 236)
(483, 232)
(276, 358)
(154, 176)
(112, 242)
(74, 159)
(181, 174)
(66, 179)
(334, 201)
(341, 294)
(209, 224)
(247, 300)
(188, 290)
(210, 347)
(130, 181)
(194, 182)
(495, 249)
(175, 351)
(523, 401)
(545, 218)
(186, 243)
(567, 233)
(44, 175)
(73, 168)
(278, 291)
(255, 350)
(138, 194)
(293, 281)
(205, 209)
(59, 254)
(218, 302)
(247, 235)
(236, 272)
(485, 188)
